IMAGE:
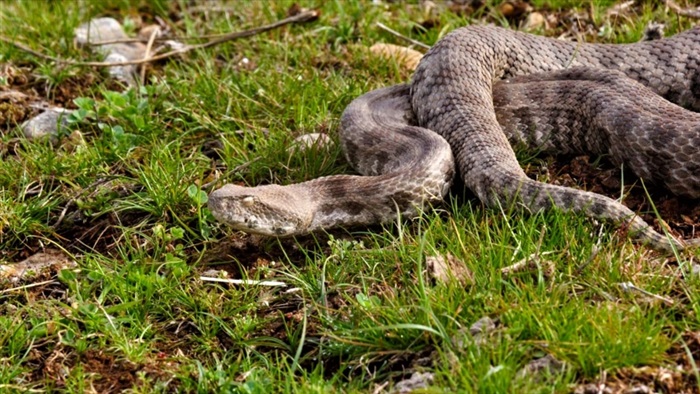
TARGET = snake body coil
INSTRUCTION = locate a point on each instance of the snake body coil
(476, 92)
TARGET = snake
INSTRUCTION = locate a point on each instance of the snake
(477, 93)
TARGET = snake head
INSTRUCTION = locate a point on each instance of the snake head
(271, 210)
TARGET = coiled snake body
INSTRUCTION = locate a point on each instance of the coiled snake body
(476, 92)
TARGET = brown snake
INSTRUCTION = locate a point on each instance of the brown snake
(478, 90)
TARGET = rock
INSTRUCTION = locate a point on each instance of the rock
(417, 381)
(309, 141)
(407, 58)
(534, 21)
(99, 29)
(695, 270)
(478, 333)
(541, 368)
(483, 326)
(445, 269)
(592, 388)
(37, 267)
(639, 389)
(46, 124)
(108, 29)
(513, 9)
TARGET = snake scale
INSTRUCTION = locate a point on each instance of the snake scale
(476, 92)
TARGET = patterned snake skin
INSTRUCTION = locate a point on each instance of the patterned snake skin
(482, 89)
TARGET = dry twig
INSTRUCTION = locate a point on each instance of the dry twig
(629, 287)
(28, 286)
(401, 36)
(157, 39)
(272, 283)
(298, 18)
(689, 12)
(147, 53)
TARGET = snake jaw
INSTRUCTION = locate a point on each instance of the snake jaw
(269, 210)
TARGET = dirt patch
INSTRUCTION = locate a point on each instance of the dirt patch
(643, 380)
(34, 279)
(681, 216)
(60, 92)
(106, 373)
(676, 377)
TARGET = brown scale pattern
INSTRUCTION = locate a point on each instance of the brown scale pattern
(403, 167)
(585, 110)
(452, 94)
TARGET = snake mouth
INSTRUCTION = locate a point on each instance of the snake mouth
(250, 222)
(254, 224)
(279, 231)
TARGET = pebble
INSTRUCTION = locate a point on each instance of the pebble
(311, 140)
(540, 368)
(109, 29)
(46, 124)
(417, 381)
(534, 21)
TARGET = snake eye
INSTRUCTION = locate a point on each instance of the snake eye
(248, 201)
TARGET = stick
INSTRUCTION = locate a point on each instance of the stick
(158, 39)
(147, 53)
(401, 36)
(244, 281)
(298, 18)
(689, 12)
(46, 282)
(629, 286)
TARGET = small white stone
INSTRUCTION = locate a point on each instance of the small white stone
(46, 124)
(312, 140)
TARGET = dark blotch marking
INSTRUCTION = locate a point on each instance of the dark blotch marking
(598, 208)
(402, 199)
(352, 208)
(695, 88)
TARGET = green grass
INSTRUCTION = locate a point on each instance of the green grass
(135, 315)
